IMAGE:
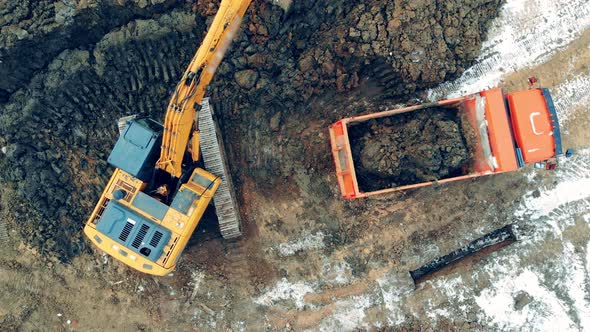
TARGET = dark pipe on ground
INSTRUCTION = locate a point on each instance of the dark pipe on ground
(485, 245)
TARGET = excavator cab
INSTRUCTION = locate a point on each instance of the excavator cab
(138, 148)
(137, 221)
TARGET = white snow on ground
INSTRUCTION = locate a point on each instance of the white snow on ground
(558, 286)
(393, 290)
(526, 33)
(557, 289)
(570, 95)
(573, 177)
(306, 242)
(574, 283)
(549, 213)
(285, 291)
(555, 285)
(545, 313)
(549, 200)
(529, 32)
(336, 273)
(452, 287)
(348, 315)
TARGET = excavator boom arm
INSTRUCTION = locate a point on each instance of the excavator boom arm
(182, 108)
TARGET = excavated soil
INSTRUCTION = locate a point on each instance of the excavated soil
(409, 148)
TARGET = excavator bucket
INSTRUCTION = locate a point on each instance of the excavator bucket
(215, 162)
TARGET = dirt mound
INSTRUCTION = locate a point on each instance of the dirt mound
(402, 45)
(409, 148)
(70, 69)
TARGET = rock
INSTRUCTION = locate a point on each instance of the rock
(21, 33)
(354, 33)
(64, 11)
(521, 299)
(246, 78)
(284, 4)
(306, 63)
(14, 151)
(275, 121)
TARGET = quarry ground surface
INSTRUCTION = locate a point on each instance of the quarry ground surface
(308, 259)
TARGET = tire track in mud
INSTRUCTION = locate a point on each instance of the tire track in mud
(571, 195)
(237, 258)
(570, 95)
(526, 33)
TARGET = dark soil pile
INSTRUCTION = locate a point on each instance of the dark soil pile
(70, 69)
(319, 45)
(409, 148)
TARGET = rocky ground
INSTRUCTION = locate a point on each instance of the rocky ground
(308, 260)
(410, 148)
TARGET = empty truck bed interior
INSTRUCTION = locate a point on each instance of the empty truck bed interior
(423, 145)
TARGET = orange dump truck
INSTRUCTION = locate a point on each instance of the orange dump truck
(508, 130)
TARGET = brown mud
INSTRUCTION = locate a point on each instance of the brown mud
(419, 146)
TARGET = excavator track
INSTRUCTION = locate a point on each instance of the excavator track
(215, 162)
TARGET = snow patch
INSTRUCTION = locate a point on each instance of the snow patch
(550, 200)
(394, 289)
(527, 32)
(570, 95)
(453, 288)
(530, 177)
(574, 284)
(196, 280)
(285, 291)
(349, 315)
(309, 242)
(337, 273)
(588, 252)
(439, 312)
(574, 185)
(546, 312)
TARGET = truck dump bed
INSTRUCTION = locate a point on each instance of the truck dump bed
(497, 139)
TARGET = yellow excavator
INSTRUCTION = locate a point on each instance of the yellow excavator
(155, 199)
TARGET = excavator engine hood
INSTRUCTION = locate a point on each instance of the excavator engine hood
(133, 231)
